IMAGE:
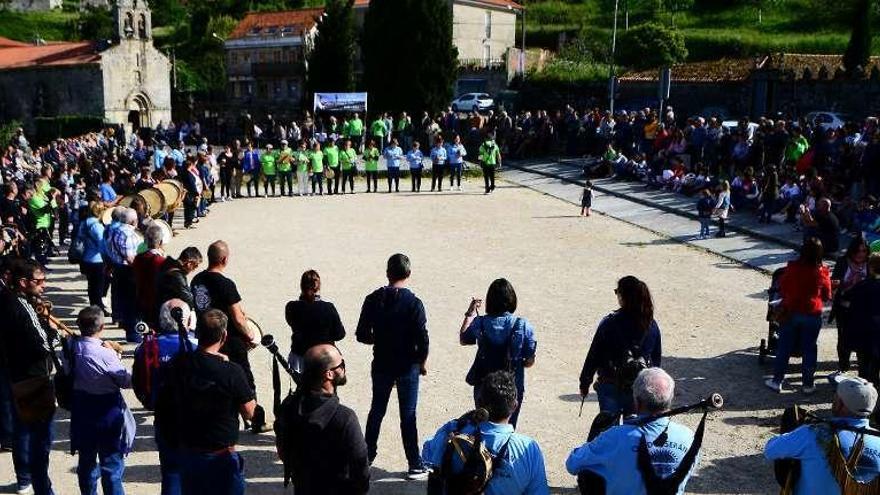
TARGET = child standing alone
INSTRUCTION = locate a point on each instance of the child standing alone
(705, 205)
(587, 199)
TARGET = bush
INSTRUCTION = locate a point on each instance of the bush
(571, 72)
(7, 131)
(651, 45)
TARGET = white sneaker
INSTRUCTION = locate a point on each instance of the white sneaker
(773, 385)
(26, 490)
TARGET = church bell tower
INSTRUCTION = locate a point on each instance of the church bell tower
(133, 20)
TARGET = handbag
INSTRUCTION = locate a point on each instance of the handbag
(34, 399)
(329, 173)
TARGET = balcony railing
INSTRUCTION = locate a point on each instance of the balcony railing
(482, 64)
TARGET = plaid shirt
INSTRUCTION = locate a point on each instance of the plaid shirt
(122, 244)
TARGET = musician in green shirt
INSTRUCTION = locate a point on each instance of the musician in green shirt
(356, 132)
(331, 154)
(267, 163)
(377, 131)
(302, 169)
(316, 160)
(348, 164)
(490, 158)
(371, 165)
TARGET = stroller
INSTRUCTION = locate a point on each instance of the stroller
(774, 301)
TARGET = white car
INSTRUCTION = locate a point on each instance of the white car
(826, 120)
(473, 102)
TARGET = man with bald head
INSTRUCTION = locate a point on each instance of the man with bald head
(318, 439)
(213, 290)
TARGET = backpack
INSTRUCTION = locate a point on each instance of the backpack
(629, 364)
(479, 462)
(490, 357)
(145, 371)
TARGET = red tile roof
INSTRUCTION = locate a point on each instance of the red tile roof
(16, 56)
(301, 20)
(8, 43)
(490, 3)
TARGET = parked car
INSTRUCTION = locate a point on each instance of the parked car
(473, 102)
(826, 120)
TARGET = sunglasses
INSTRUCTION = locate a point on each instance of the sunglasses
(341, 365)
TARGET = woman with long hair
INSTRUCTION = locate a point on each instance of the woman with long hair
(850, 269)
(627, 341)
(312, 320)
(505, 342)
(92, 265)
(805, 286)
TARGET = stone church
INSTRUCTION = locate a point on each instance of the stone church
(124, 81)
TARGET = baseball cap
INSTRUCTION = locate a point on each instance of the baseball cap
(857, 394)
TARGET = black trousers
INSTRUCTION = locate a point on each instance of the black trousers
(455, 175)
(394, 177)
(270, 181)
(489, 177)
(96, 281)
(225, 182)
(416, 177)
(318, 182)
(374, 176)
(348, 176)
(189, 210)
(333, 184)
(437, 176)
(285, 178)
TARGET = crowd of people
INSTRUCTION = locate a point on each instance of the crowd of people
(194, 339)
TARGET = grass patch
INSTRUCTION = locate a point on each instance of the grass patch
(54, 25)
(571, 72)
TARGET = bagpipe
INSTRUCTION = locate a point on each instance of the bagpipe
(788, 471)
(590, 483)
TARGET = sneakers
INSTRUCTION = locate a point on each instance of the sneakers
(773, 385)
(25, 490)
(417, 474)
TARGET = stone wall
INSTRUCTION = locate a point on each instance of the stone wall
(135, 69)
(34, 5)
(50, 92)
(469, 31)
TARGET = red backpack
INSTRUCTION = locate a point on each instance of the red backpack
(145, 370)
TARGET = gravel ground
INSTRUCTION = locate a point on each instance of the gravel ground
(564, 268)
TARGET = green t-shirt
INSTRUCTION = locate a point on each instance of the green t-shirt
(356, 127)
(378, 128)
(285, 160)
(317, 160)
(302, 161)
(347, 158)
(332, 155)
(489, 153)
(41, 210)
(371, 159)
(268, 163)
(346, 129)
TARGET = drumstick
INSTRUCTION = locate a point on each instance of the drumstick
(583, 399)
(115, 346)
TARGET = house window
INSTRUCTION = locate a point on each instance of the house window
(487, 54)
(488, 24)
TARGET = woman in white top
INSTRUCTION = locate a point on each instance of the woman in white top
(722, 207)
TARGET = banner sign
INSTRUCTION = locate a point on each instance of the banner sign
(340, 102)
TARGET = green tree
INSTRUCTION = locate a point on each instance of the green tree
(331, 62)
(410, 62)
(858, 52)
(94, 23)
(651, 45)
(676, 6)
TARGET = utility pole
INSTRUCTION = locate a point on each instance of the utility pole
(612, 85)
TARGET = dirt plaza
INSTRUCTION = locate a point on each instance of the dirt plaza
(564, 268)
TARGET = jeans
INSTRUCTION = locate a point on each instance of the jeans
(455, 175)
(286, 178)
(416, 176)
(7, 418)
(96, 282)
(489, 177)
(112, 467)
(318, 182)
(705, 226)
(217, 474)
(437, 176)
(30, 455)
(407, 397)
(394, 178)
(169, 465)
(612, 400)
(808, 327)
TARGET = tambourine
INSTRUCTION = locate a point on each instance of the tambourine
(255, 328)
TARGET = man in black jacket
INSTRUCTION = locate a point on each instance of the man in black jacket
(171, 282)
(27, 345)
(864, 312)
(393, 321)
(318, 439)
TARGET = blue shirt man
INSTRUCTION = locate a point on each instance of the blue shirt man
(521, 470)
(393, 156)
(613, 454)
(455, 154)
(438, 155)
(854, 401)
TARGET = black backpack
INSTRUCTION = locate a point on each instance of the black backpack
(479, 462)
(490, 357)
